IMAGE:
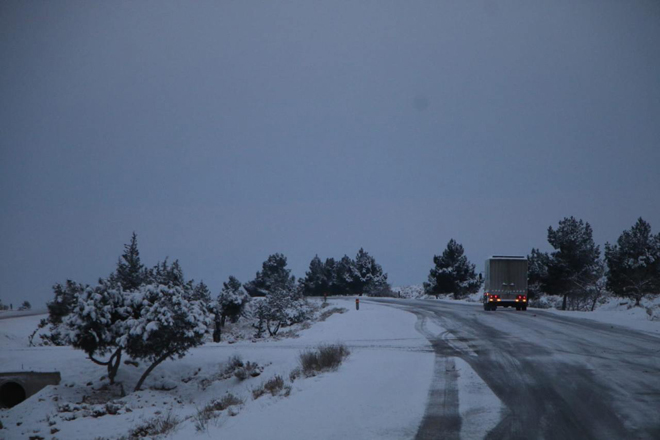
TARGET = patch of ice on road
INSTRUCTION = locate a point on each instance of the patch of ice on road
(479, 408)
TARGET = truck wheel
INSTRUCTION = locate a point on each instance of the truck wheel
(494, 307)
(524, 307)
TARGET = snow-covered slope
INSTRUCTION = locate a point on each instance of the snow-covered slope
(380, 390)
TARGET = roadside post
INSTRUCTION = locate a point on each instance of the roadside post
(357, 303)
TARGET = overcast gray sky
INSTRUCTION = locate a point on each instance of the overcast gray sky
(224, 131)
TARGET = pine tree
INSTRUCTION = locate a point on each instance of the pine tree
(64, 301)
(130, 271)
(575, 266)
(634, 262)
(163, 325)
(273, 275)
(316, 281)
(95, 324)
(453, 273)
(345, 275)
(200, 292)
(369, 278)
(231, 303)
(537, 273)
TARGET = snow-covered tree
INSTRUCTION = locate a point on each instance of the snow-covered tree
(345, 275)
(201, 292)
(166, 274)
(575, 265)
(64, 301)
(278, 309)
(452, 273)
(95, 324)
(273, 275)
(230, 304)
(163, 325)
(634, 262)
(369, 277)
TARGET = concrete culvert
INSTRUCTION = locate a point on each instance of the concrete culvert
(11, 394)
(20, 385)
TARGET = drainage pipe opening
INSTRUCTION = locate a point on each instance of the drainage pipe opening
(11, 394)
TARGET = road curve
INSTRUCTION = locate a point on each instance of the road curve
(558, 377)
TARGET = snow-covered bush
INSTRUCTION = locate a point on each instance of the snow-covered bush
(280, 308)
(163, 325)
(409, 292)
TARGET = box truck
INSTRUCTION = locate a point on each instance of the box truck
(505, 284)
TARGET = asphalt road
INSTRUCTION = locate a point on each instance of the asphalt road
(557, 377)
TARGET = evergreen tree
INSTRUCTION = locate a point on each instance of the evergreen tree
(130, 271)
(95, 324)
(231, 304)
(163, 325)
(25, 306)
(634, 263)
(369, 277)
(575, 265)
(345, 275)
(64, 301)
(273, 275)
(316, 281)
(330, 275)
(453, 273)
(537, 273)
(165, 274)
(200, 292)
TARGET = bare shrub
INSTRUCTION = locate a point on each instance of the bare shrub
(233, 363)
(250, 369)
(328, 313)
(258, 392)
(155, 427)
(272, 386)
(295, 374)
(210, 411)
(324, 358)
(203, 417)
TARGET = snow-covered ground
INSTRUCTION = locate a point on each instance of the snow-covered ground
(616, 311)
(380, 391)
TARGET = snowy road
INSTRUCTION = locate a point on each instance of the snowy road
(556, 377)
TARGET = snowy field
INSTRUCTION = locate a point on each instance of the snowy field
(380, 391)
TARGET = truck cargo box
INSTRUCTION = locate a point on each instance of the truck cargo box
(505, 283)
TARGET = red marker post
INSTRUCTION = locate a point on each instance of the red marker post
(357, 303)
